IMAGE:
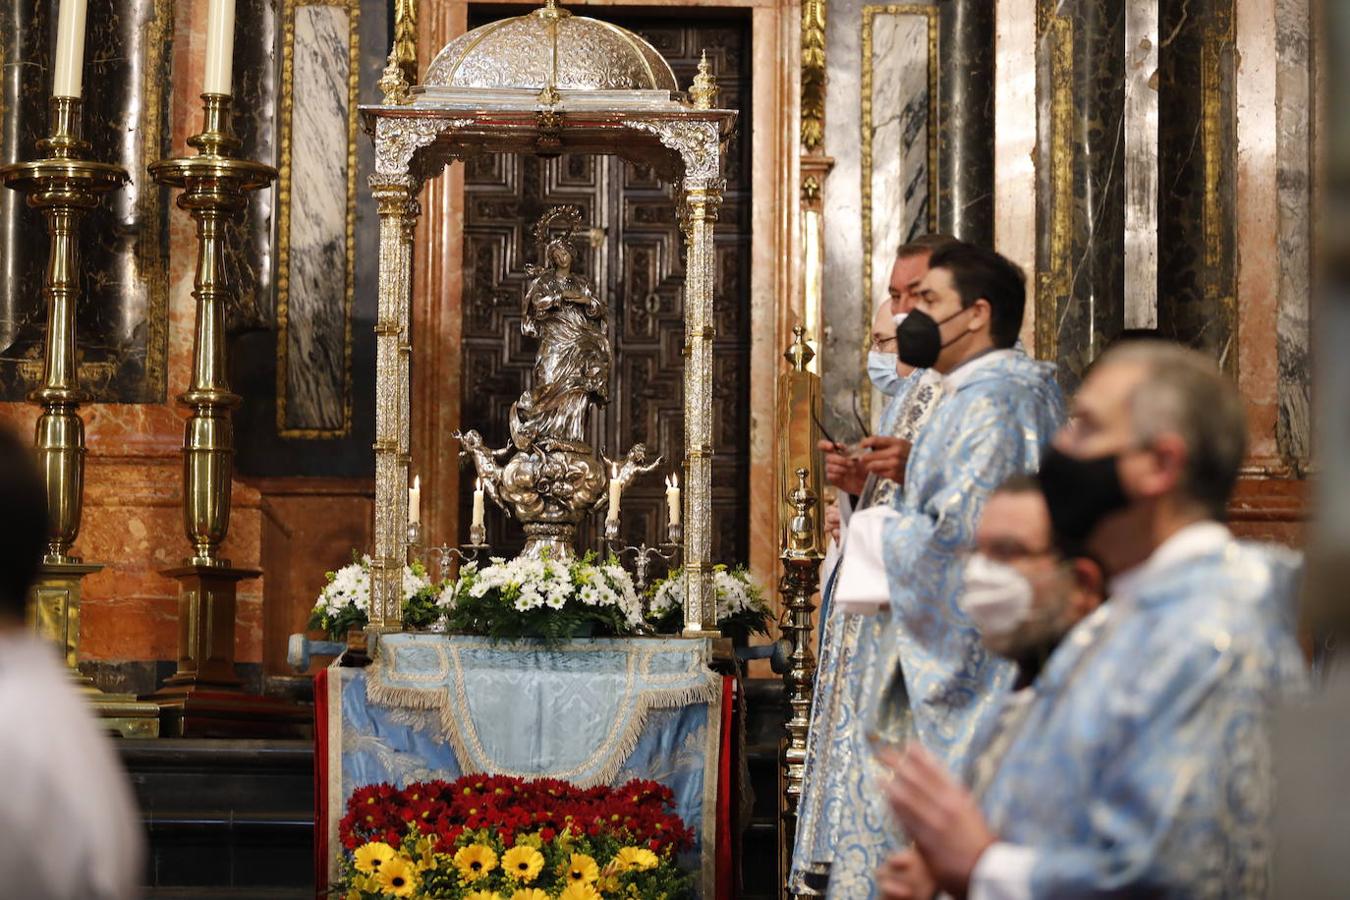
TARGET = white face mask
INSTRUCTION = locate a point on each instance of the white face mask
(900, 317)
(997, 597)
(881, 369)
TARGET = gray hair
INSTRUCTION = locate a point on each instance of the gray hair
(1184, 393)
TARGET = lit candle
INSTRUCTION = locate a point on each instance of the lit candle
(615, 493)
(415, 501)
(673, 498)
(477, 504)
(219, 47)
(69, 73)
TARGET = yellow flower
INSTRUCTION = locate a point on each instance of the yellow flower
(636, 858)
(475, 861)
(522, 863)
(398, 877)
(579, 890)
(530, 894)
(582, 869)
(369, 857)
(482, 895)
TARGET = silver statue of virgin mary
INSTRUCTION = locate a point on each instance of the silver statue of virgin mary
(548, 476)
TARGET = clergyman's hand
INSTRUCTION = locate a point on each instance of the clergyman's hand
(903, 876)
(941, 817)
(844, 472)
(888, 458)
(833, 520)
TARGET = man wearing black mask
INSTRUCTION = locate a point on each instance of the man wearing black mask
(929, 677)
(1142, 766)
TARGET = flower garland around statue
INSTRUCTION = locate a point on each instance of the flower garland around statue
(543, 598)
(741, 605)
(498, 838)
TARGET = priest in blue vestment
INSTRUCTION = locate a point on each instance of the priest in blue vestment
(927, 674)
(1142, 765)
(846, 638)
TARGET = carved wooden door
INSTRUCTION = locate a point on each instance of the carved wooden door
(635, 259)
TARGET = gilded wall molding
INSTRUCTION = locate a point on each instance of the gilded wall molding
(353, 9)
(405, 38)
(1220, 292)
(1054, 276)
(813, 76)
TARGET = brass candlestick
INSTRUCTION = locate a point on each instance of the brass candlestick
(203, 697)
(801, 574)
(64, 185)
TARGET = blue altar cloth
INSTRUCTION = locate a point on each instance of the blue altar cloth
(596, 711)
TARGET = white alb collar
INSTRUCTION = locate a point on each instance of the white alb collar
(955, 379)
(1191, 542)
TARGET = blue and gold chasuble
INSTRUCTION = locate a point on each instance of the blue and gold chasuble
(1141, 765)
(919, 669)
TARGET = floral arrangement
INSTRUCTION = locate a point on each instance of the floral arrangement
(741, 605)
(498, 838)
(344, 602)
(544, 598)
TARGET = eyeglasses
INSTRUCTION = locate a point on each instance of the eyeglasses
(879, 344)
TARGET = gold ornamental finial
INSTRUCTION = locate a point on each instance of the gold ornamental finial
(799, 352)
(704, 90)
(392, 83)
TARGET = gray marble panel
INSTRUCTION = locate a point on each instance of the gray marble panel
(1293, 120)
(845, 315)
(899, 199)
(316, 367)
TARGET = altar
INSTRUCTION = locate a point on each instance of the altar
(536, 738)
(591, 712)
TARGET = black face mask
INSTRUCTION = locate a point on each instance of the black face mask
(918, 340)
(1079, 493)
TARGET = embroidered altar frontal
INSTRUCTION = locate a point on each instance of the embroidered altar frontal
(599, 711)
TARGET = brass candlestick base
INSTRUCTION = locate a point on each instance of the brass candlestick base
(205, 697)
(54, 613)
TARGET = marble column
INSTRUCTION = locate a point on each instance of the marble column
(1081, 185)
(1197, 165)
(965, 204)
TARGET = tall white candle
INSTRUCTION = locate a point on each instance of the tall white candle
(219, 47)
(615, 493)
(673, 498)
(478, 504)
(69, 75)
(415, 501)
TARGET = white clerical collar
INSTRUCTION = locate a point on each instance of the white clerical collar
(957, 378)
(1189, 543)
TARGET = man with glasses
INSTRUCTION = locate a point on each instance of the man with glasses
(1025, 596)
(926, 674)
(1142, 766)
(871, 474)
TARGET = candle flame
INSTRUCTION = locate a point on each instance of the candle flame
(478, 484)
(673, 481)
(613, 470)
(417, 482)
